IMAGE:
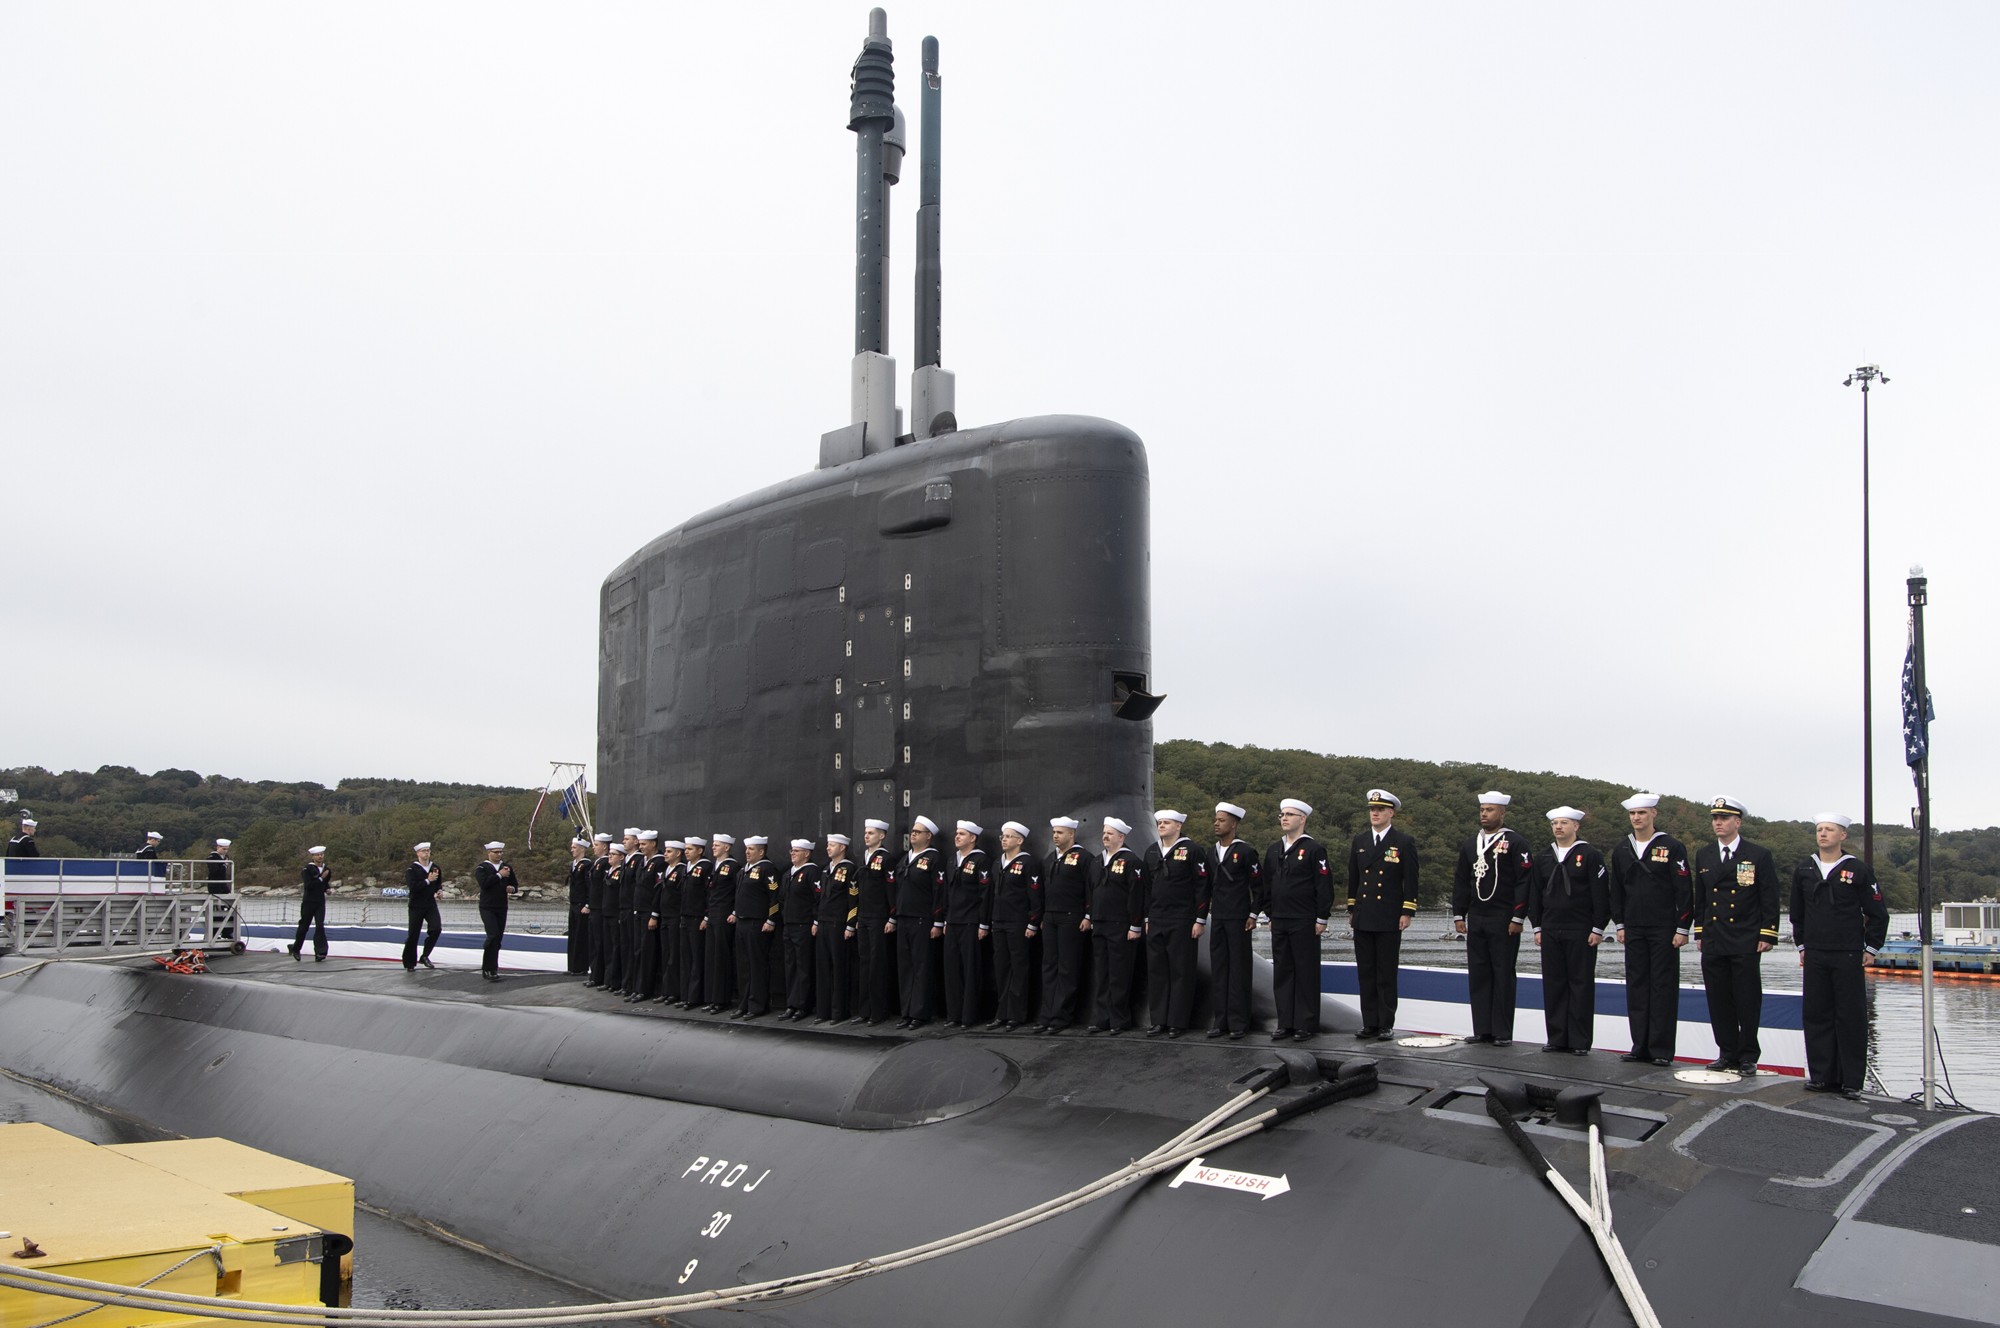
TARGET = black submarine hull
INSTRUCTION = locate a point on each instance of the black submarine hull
(955, 628)
(643, 1154)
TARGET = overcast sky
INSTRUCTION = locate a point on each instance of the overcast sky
(1503, 344)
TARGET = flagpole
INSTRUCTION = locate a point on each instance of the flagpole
(1866, 374)
(1916, 740)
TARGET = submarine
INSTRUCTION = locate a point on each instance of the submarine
(854, 642)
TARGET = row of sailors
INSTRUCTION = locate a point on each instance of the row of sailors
(838, 925)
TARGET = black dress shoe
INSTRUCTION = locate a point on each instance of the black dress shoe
(918, 1023)
(294, 950)
(1552, 1047)
(1175, 1032)
(1114, 1032)
(1041, 1028)
(1300, 1036)
(1815, 1086)
(1579, 1051)
(1217, 1032)
(1503, 1042)
(1632, 1058)
(1237, 1036)
(1851, 1094)
(1156, 1030)
(1719, 1064)
(1386, 1035)
(1661, 1061)
(1362, 1035)
(1282, 1035)
(1747, 1068)
(426, 962)
(1094, 1029)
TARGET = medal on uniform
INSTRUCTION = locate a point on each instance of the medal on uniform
(1746, 873)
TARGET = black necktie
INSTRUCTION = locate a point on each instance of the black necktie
(1725, 856)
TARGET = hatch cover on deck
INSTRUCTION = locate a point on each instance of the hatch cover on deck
(1791, 1147)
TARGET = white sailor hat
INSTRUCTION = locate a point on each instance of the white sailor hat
(632, 832)
(805, 844)
(1113, 823)
(924, 823)
(652, 835)
(617, 848)
(1016, 827)
(220, 843)
(972, 828)
(1384, 798)
(154, 834)
(873, 823)
(316, 848)
(494, 846)
(29, 823)
(579, 843)
(1064, 823)
(1495, 798)
(1178, 818)
(424, 847)
(604, 837)
(1568, 813)
(1832, 818)
(1725, 807)
(756, 841)
(841, 840)
(1640, 801)
(723, 839)
(1294, 805)
(692, 840)
(1231, 809)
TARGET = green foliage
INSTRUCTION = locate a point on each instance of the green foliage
(367, 825)
(1440, 806)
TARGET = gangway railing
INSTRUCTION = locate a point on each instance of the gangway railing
(55, 906)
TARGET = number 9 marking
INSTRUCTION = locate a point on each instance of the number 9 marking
(688, 1271)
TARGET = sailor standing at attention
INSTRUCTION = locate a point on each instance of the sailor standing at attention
(1300, 894)
(835, 916)
(151, 851)
(642, 902)
(694, 910)
(798, 910)
(1067, 879)
(1382, 874)
(581, 868)
(1117, 908)
(1837, 917)
(1489, 905)
(624, 883)
(1735, 923)
(1013, 916)
(1238, 899)
(600, 908)
(663, 980)
(23, 845)
(919, 920)
(423, 880)
(965, 910)
(314, 879)
(756, 919)
(495, 879)
(1569, 904)
(1652, 896)
(874, 926)
(719, 953)
(1175, 915)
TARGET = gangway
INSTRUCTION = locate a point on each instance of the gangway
(63, 906)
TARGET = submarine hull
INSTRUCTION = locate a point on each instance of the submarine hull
(644, 1154)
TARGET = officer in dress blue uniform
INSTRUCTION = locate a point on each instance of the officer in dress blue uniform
(1299, 887)
(1569, 905)
(1013, 917)
(1736, 902)
(422, 879)
(1176, 913)
(1652, 897)
(1837, 917)
(314, 880)
(495, 878)
(1382, 877)
(1068, 876)
(1489, 906)
(1238, 897)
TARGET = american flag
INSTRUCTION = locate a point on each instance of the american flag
(1916, 717)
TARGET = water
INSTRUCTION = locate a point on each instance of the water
(395, 1266)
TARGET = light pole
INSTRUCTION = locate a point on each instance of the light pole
(1866, 375)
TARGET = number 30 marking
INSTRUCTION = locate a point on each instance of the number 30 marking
(716, 1225)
